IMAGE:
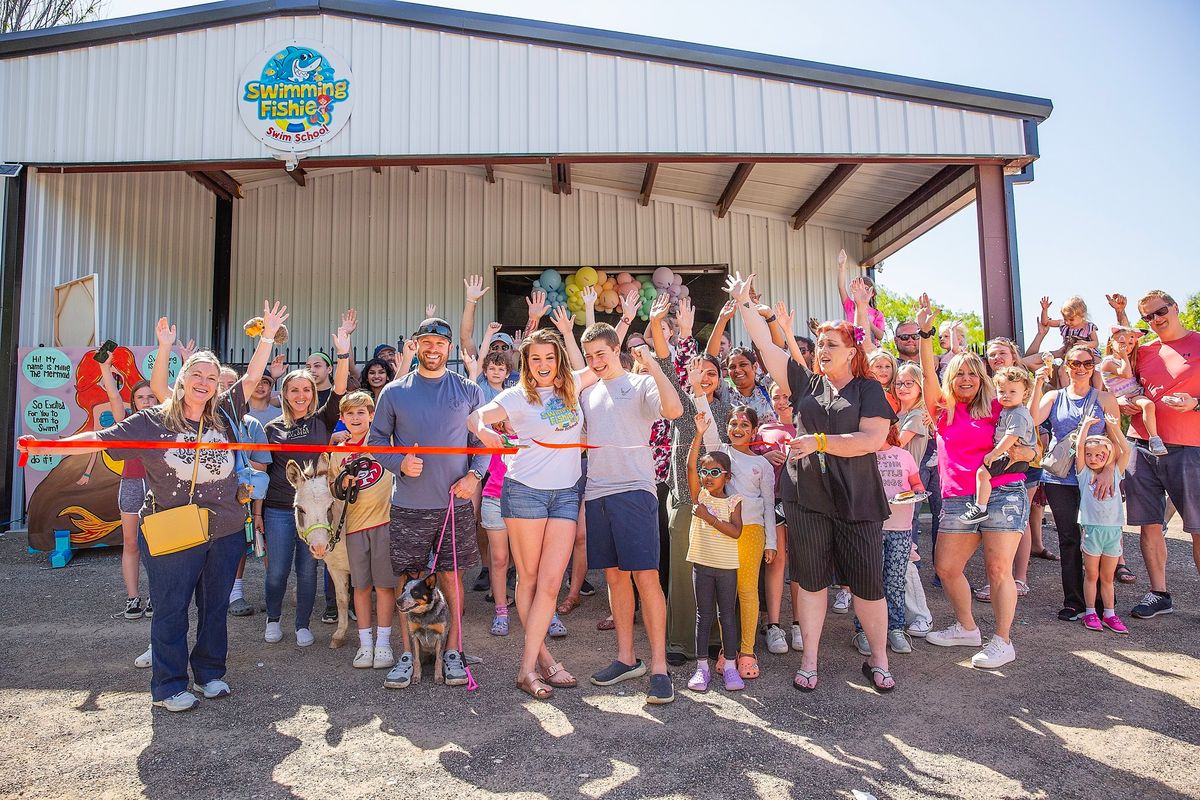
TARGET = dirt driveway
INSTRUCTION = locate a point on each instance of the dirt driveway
(1080, 714)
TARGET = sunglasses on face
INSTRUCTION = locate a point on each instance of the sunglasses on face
(1073, 364)
(1150, 316)
(709, 472)
(907, 337)
(500, 347)
(804, 351)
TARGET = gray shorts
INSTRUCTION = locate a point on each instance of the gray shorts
(1152, 479)
(131, 495)
(370, 555)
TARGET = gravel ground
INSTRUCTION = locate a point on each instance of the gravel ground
(1078, 714)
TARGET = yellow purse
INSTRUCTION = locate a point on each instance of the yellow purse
(178, 528)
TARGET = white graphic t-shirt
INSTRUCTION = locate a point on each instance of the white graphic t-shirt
(550, 421)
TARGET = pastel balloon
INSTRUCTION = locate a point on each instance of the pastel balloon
(585, 276)
(677, 279)
(663, 277)
(609, 298)
(624, 277)
(684, 291)
(601, 276)
(550, 279)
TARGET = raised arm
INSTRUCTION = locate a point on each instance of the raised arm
(658, 312)
(774, 358)
(693, 457)
(1041, 401)
(489, 334)
(564, 323)
(714, 339)
(1119, 302)
(588, 295)
(165, 332)
(274, 315)
(785, 319)
(843, 294)
(861, 294)
(466, 328)
(1035, 347)
(1124, 451)
(1045, 316)
(537, 309)
(341, 346)
(668, 397)
(110, 389)
(931, 390)
(631, 303)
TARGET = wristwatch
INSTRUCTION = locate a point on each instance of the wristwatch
(476, 473)
(342, 356)
(926, 334)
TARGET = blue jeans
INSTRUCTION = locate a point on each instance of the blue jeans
(933, 484)
(283, 548)
(205, 572)
(896, 547)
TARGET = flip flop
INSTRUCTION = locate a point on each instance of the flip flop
(808, 676)
(568, 605)
(870, 672)
(1125, 574)
(1045, 554)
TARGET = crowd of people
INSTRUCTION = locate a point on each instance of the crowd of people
(702, 478)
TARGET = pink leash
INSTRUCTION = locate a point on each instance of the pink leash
(450, 521)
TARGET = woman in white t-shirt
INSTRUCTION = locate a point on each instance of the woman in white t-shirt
(541, 495)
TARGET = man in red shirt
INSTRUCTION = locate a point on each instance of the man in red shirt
(1169, 371)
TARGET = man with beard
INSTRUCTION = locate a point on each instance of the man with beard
(908, 342)
(430, 406)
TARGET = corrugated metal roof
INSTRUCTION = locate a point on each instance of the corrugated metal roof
(511, 28)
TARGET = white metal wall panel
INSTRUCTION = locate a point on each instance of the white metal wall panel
(429, 92)
(390, 243)
(149, 238)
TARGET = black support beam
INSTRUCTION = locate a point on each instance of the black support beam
(820, 196)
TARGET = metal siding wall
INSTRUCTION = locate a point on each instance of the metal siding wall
(390, 243)
(149, 238)
(428, 92)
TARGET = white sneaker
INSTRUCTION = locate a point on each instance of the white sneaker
(184, 701)
(841, 603)
(920, 628)
(899, 642)
(274, 633)
(212, 690)
(363, 658)
(776, 640)
(797, 639)
(955, 636)
(145, 660)
(997, 653)
(304, 637)
(383, 658)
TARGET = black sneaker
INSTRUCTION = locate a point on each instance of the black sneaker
(149, 609)
(973, 513)
(661, 691)
(676, 659)
(587, 589)
(617, 672)
(1068, 614)
(133, 608)
(330, 615)
(1153, 604)
(483, 581)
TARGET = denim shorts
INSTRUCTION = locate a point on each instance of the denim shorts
(518, 501)
(1008, 510)
(489, 514)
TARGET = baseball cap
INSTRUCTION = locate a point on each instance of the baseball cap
(504, 337)
(434, 326)
(385, 346)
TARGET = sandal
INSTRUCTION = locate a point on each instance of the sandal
(1044, 553)
(1022, 588)
(1125, 574)
(808, 676)
(568, 605)
(533, 685)
(557, 676)
(747, 666)
(870, 672)
(984, 595)
(606, 624)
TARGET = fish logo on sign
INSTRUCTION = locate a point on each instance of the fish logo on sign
(296, 96)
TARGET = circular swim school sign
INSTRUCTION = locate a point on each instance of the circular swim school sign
(296, 96)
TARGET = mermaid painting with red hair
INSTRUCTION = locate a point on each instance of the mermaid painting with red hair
(90, 394)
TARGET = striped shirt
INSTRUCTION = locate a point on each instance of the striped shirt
(707, 546)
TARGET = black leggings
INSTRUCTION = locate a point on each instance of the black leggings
(1064, 505)
(716, 595)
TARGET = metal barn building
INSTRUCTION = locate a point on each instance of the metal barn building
(367, 153)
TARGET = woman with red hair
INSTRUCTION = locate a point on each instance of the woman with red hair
(833, 496)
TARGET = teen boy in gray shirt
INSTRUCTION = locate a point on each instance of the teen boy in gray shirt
(620, 501)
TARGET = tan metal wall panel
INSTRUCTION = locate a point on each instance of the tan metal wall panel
(389, 243)
(149, 238)
(429, 92)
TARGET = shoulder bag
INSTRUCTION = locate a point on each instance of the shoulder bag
(1060, 461)
(179, 528)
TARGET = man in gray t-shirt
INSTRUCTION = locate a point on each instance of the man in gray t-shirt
(430, 407)
(620, 504)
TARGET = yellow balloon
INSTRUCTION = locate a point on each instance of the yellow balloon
(586, 276)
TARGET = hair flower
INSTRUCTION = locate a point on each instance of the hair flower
(859, 334)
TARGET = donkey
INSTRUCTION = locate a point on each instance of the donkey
(317, 511)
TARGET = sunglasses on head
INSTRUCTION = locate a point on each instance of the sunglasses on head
(1150, 316)
(907, 337)
(1076, 364)
(709, 472)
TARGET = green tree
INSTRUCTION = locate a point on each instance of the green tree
(899, 307)
(27, 15)
(1189, 315)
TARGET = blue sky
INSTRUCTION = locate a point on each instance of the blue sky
(1116, 187)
